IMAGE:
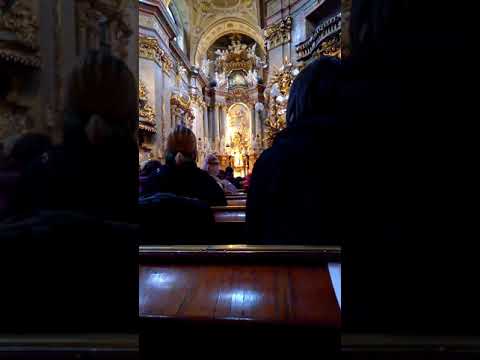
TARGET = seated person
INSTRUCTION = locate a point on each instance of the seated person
(229, 176)
(149, 169)
(293, 191)
(95, 170)
(21, 154)
(75, 203)
(175, 212)
(181, 175)
(212, 167)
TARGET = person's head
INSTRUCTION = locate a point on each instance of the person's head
(150, 167)
(212, 165)
(229, 172)
(312, 95)
(181, 146)
(101, 100)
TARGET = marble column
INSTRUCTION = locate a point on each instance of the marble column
(211, 123)
(220, 123)
(254, 121)
(216, 120)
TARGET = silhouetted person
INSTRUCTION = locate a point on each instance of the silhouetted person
(230, 177)
(74, 243)
(95, 170)
(181, 175)
(409, 170)
(150, 169)
(291, 191)
(25, 154)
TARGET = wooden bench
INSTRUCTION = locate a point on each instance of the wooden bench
(230, 224)
(270, 294)
(229, 214)
(70, 346)
(237, 202)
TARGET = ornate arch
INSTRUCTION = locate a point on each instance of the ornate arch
(224, 27)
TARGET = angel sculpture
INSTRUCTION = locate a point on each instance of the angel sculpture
(251, 51)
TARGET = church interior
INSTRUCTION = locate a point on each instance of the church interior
(211, 86)
(224, 69)
(191, 175)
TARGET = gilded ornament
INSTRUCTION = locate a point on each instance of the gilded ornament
(146, 112)
(278, 34)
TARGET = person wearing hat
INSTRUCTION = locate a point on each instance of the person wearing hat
(181, 175)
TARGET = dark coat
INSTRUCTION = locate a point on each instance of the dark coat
(101, 181)
(187, 181)
(293, 193)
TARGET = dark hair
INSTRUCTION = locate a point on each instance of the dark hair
(312, 95)
(182, 141)
(104, 85)
(150, 167)
(228, 169)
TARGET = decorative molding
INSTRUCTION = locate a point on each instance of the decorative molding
(145, 110)
(104, 18)
(325, 40)
(180, 109)
(279, 33)
(198, 100)
(277, 100)
(149, 48)
(19, 35)
(224, 27)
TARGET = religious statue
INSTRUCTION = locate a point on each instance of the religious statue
(206, 66)
(238, 161)
(237, 47)
(221, 54)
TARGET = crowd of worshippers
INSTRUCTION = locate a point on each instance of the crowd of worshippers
(95, 172)
(181, 176)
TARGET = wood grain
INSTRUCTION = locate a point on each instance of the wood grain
(259, 293)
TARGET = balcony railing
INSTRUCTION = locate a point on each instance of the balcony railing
(323, 32)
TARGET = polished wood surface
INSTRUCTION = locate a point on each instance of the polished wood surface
(289, 294)
(229, 214)
(272, 253)
(70, 346)
(237, 202)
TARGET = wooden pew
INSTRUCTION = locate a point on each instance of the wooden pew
(366, 345)
(237, 202)
(230, 224)
(70, 346)
(279, 297)
(229, 213)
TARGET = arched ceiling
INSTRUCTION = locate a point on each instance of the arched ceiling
(207, 20)
(223, 27)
